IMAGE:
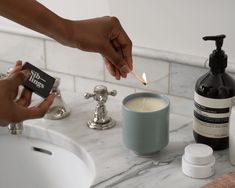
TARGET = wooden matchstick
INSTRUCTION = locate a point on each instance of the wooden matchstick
(137, 77)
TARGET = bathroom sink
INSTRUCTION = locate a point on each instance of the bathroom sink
(27, 162)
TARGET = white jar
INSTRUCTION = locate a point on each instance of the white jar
(198, 161)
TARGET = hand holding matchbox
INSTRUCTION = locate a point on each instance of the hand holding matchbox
(38, 81)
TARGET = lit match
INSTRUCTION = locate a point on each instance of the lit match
(142, 79)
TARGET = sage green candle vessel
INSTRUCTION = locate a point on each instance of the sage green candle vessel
(145, 121)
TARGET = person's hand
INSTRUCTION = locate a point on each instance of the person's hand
(15, 110)
(106, 36)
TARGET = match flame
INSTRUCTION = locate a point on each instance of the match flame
(144, 78)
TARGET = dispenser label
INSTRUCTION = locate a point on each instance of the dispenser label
(211, 116)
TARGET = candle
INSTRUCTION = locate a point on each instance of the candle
(145, 122)
(146, 104)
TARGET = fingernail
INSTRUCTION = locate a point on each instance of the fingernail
(9, 70)
(51, 97)
(26, 73)
(124, 70)
(53, 94)
(19, 62)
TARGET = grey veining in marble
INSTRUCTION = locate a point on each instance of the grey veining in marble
(183, 79)
(118, 167)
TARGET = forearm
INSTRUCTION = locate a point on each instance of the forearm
(94, 35)
(37, 17)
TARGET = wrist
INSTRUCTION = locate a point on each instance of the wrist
(61, 31)
(69, 33)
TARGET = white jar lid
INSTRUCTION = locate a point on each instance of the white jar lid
(198, 161)
(199, 154)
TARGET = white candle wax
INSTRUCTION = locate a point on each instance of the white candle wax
(146, 104)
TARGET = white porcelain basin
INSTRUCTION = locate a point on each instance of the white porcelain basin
(32, 163)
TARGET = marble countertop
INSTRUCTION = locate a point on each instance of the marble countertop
(116, 166)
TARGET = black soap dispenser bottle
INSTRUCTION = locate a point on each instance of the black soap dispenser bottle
(213, 96)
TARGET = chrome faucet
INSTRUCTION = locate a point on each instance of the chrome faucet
(15, 128)
(2, 76)
(58, 109)
(101, 120)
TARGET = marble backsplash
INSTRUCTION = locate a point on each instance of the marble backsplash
(171, 74)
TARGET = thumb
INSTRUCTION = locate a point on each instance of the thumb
(117, 59)
(19, 78)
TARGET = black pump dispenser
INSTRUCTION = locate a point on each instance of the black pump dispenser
(218, 58)
(214, 92)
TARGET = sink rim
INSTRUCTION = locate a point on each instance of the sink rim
(57, 139)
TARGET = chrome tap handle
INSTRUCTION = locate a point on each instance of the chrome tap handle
(88, 95)
(100, 94)
(100, 120)
(112, 93)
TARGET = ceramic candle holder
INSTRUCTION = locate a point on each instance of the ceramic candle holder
(145, 121)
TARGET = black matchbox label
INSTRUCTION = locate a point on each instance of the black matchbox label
(39, 82)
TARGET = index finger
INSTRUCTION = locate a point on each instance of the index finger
(35, 111)
(16, 68)
(126, 46)
(18, 78)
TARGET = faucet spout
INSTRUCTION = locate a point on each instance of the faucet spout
(58, 109)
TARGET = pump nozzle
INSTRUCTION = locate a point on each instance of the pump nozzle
(219, 39)
(218, 59)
